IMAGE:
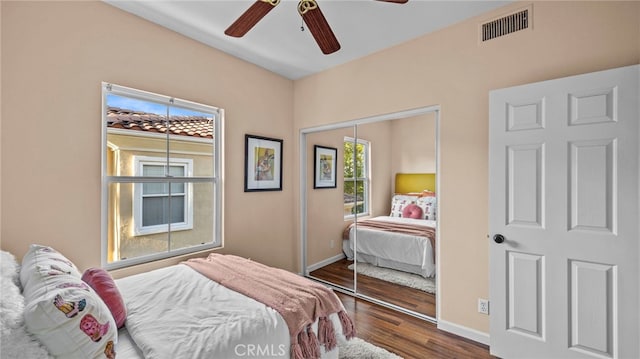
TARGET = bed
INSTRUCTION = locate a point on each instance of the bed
(405, 239)
(176, 311)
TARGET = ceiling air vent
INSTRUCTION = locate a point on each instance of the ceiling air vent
(505, 25)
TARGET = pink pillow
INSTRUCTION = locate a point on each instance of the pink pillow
(412, 211)
(101, 282)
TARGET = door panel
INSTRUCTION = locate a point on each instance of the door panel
(591, 186)
(564, 193)
(593, 307)
(525, 168)
(526, 302)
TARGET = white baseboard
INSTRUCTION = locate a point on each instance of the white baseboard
(325, 262)
(472, 334)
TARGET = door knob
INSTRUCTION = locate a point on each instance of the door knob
(498, 238)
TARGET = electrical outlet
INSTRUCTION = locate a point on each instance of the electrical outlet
(333, 243)
(483, 306)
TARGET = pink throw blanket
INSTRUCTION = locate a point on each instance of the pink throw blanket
(299, 301)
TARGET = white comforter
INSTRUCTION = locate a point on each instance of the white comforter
(395, 250)
(176, 312)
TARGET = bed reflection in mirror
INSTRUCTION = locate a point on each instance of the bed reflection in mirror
(375, 233)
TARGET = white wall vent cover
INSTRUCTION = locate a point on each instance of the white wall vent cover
(516, 21)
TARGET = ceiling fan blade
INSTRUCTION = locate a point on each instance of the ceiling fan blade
(318, 26)
(251, 17)
(395, 1)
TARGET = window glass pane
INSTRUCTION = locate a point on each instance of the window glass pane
(360, 161)
(348, 159)
(349, 184)
(190, 226)
(203, 224)
(192, 132)
(153, 170)
(123, 243)
(176, 171)
(355, 177)
(177, 209)
(131, 122)
(177, 188)
(154, 188)
(360, 197)
(154, 211)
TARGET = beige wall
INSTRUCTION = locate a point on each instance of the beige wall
(55, 54)
(54, 57)
(449, 68)
(414, 144)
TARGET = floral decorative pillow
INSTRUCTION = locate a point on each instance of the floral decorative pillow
(399, 202)
(61, 310)
(428, 205)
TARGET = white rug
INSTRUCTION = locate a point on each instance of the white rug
(357, 348)
(398, 277)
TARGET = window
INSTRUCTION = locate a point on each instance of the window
(152, 198)
(161, 187)
(356, 177)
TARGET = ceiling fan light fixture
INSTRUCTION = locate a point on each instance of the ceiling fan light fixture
(318, 26)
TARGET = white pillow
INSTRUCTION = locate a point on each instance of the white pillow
(62, 311)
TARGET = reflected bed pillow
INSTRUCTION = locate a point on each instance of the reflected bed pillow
(428, 206)
(399, 202)
(412, 211)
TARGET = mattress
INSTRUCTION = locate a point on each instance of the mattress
(175, 312)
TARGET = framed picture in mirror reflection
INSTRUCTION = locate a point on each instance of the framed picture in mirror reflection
(324, 169)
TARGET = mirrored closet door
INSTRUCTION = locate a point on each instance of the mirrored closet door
(327, 206)
(374, 233)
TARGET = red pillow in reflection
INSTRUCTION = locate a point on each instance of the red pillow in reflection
(102, 283)
(412, 211)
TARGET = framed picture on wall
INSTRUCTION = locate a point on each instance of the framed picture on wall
(324, 169)
(262, 164)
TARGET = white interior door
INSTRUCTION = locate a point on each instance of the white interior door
(564, 197)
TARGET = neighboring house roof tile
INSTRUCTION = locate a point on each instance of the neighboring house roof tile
(195, 126)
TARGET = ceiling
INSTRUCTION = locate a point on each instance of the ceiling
(277, 43)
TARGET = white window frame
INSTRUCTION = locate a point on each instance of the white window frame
(216, 179)
(138, 195)
(366, 180)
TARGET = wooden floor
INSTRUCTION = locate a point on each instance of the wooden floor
(407, 336)
(405, 297)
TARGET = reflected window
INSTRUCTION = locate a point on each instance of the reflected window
(161, 162)
(356, 177)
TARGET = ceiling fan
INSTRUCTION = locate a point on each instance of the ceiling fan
(310, 13)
